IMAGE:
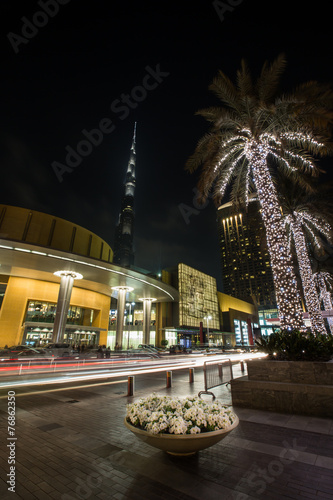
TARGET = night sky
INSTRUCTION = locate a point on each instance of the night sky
(71, 73)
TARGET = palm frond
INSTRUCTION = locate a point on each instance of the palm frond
(244, 80)
(225, 90)
(268, 82)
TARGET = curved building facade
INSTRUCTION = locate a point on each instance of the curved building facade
(57, 279)
(45, 230)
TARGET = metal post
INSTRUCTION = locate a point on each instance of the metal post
(191, 375)
(231, 374)
(242, 366)
(130, 386)
(220, 371)
(168, 379)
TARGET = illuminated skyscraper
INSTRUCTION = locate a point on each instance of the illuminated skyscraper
(246, 269)
(123, 242)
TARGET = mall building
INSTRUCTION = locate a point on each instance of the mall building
(57, 280)
(58, 283)
(203, 315)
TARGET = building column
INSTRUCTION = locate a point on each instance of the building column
(65, 291)
(146, 319)
(121, 299)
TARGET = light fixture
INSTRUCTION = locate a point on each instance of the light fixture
(72, 274)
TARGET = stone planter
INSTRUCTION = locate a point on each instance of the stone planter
(298, 387)
(181, 444)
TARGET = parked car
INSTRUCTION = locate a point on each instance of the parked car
(59, 349)
(23, 355)
(19, 348)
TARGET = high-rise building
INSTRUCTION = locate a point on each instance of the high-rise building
(123, 242)
(246, 269)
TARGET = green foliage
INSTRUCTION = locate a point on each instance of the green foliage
(297, 346)
(164, 342)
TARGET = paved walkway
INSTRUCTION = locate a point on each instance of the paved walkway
(72, 444)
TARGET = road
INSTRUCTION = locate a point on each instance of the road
(80, 372)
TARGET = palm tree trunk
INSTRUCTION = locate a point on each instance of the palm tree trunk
(287, 298)
(325, 295)
(310, 293)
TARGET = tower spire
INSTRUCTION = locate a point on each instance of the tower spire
(123, 244)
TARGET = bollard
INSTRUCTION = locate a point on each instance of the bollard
(168, 379)
(191, 375)
(242, 365)
(130, 386)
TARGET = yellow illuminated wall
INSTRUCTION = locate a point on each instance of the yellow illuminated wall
(20, 290)
(227, 302)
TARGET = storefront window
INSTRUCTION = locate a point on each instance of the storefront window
(41, 312)
(44, 312)
(245, 333)
(237, 331)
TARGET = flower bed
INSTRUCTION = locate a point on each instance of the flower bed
(172, 415)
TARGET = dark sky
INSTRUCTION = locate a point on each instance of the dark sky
(66, 76)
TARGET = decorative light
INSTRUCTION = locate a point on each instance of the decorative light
(244, 150)
(324, 282)
(72, 274)
(295, 223)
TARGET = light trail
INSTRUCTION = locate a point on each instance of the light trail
(65, 388)
(174, 365)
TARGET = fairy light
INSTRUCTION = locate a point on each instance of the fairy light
(247, 152)
(324, 282)
(284, 279)
(302, 137)
(294, 222)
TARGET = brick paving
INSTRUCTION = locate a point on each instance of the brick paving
(72, 444)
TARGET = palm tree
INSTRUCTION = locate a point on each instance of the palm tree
(305, 224)
(253, 132)
(324, 282)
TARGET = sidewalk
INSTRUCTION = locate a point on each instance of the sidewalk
(72, 444)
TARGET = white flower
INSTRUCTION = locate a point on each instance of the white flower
(171, 415)
(195, 430)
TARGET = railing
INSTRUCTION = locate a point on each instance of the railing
(216, 373)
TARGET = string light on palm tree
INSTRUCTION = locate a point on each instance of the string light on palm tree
(324, 282)
(307, 229)
(298, 223)
(253, 133)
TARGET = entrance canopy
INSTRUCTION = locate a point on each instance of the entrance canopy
(31, 261)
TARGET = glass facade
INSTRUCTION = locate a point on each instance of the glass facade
(268, 319)
(44, 312)
(245, 333)
(198, 298)
(238, 331)
(133, 316)
(36, 336)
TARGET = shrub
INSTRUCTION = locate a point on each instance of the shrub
(297, 346)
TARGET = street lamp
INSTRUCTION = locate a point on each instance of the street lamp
(129, 305)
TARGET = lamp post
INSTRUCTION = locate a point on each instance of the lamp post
(129, 304)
